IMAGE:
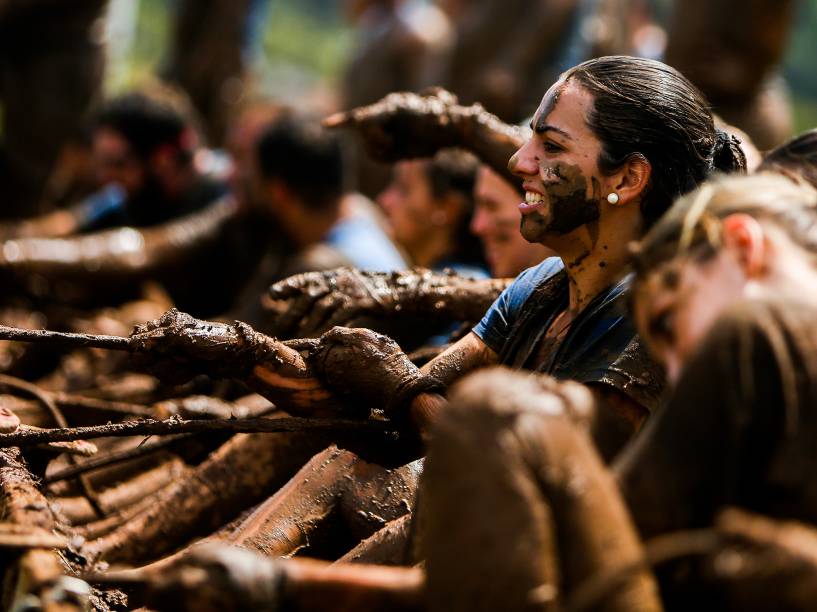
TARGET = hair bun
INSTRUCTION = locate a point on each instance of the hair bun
(727, 156)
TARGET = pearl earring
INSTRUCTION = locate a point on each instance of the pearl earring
(613, 198)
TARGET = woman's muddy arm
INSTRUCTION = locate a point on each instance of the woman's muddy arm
(308, 304)
(466, 355)
(178, 347)
(459, 359)
(405, 125)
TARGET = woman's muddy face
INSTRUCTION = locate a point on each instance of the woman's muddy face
(496, 223)
(677, 304)
(558, 165)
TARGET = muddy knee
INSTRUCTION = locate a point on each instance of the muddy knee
(511, 470)
(484, 521)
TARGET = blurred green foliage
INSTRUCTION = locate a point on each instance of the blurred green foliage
(800, 67)
(315, 40)
(310, 36)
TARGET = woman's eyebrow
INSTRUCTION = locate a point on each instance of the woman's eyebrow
(541, 128)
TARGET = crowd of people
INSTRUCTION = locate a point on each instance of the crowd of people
(589, 338)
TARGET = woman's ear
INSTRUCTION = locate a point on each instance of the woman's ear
(744, 236)
(631, 180)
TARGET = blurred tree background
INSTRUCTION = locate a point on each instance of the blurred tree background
(801, 66)
(302, 45)
(298, 50)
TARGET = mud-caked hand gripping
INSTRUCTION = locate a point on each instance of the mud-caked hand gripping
(371, 367)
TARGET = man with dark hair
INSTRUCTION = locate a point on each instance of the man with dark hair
(298, 181)
(146, 146)
(142, 151)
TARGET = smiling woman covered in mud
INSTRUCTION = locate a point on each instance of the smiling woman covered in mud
(613, 142)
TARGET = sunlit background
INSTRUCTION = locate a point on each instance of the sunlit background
(298, 48)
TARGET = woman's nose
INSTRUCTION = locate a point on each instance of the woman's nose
(524, 162)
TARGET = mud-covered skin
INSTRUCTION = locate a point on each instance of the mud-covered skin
(217, 578)
(388, 546)
(240, 473)
(777, 566)
(220, 348)
(571, 204)
(78, 510)
(114, 257)
(365, 495)
(368, 367)
(405, 125)
(516, 447)
(308, 304)
(180, 346)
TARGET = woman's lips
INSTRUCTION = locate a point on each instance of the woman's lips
(533, 201)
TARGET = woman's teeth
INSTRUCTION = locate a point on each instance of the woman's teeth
(531, 197)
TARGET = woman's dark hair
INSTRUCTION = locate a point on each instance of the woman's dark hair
(796, 158)
(643, 107)
(454, 171)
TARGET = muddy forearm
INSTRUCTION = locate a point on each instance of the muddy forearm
(182, 346)
(309, 584)
(121, 255)
(405, 125)
(285, 378)
(447, 295)
(489, 138)
(460, 358)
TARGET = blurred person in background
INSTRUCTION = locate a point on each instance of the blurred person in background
(496, 223)
(294, 189)
(795, 159)
(143, 158)
(429, 205)
(299, 182)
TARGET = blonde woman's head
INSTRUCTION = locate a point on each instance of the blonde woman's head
(732, 238)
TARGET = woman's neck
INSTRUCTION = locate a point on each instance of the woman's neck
(592, 264)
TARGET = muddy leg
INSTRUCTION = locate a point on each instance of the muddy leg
(518, 507)
(283, 524)
(388, 546)
(221, 577)
(79, 512)
(238, 474)
(375, 495)
(367, 496)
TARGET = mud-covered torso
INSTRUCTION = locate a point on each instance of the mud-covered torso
(599, 346)
(739, 429)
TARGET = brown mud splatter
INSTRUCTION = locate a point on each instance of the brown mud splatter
(568, 204)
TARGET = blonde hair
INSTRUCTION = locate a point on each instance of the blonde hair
(693, 222)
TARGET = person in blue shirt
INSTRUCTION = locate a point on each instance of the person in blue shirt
(294, 188)
(299, 182)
